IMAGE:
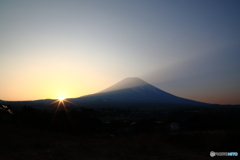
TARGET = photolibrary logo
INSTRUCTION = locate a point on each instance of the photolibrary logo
(212, 153)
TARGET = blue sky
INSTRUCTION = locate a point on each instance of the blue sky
(189, 48)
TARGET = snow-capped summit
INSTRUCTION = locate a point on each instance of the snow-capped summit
(129, 82)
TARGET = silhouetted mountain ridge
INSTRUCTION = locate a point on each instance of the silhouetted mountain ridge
(133, 89)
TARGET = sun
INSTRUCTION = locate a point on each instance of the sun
(61, 98)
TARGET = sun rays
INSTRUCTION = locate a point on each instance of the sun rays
(59, 105)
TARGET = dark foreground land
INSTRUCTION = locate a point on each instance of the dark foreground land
(22, 142)
(147, 133)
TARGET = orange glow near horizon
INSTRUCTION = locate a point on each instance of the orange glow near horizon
(49, 89)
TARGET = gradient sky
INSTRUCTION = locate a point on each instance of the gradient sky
(52, 48)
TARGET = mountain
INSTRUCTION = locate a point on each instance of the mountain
(130, 90)
(134, 90)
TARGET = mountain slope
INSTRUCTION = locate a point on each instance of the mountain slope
(134, 89)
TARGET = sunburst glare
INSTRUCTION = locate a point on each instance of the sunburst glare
(61, 98)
